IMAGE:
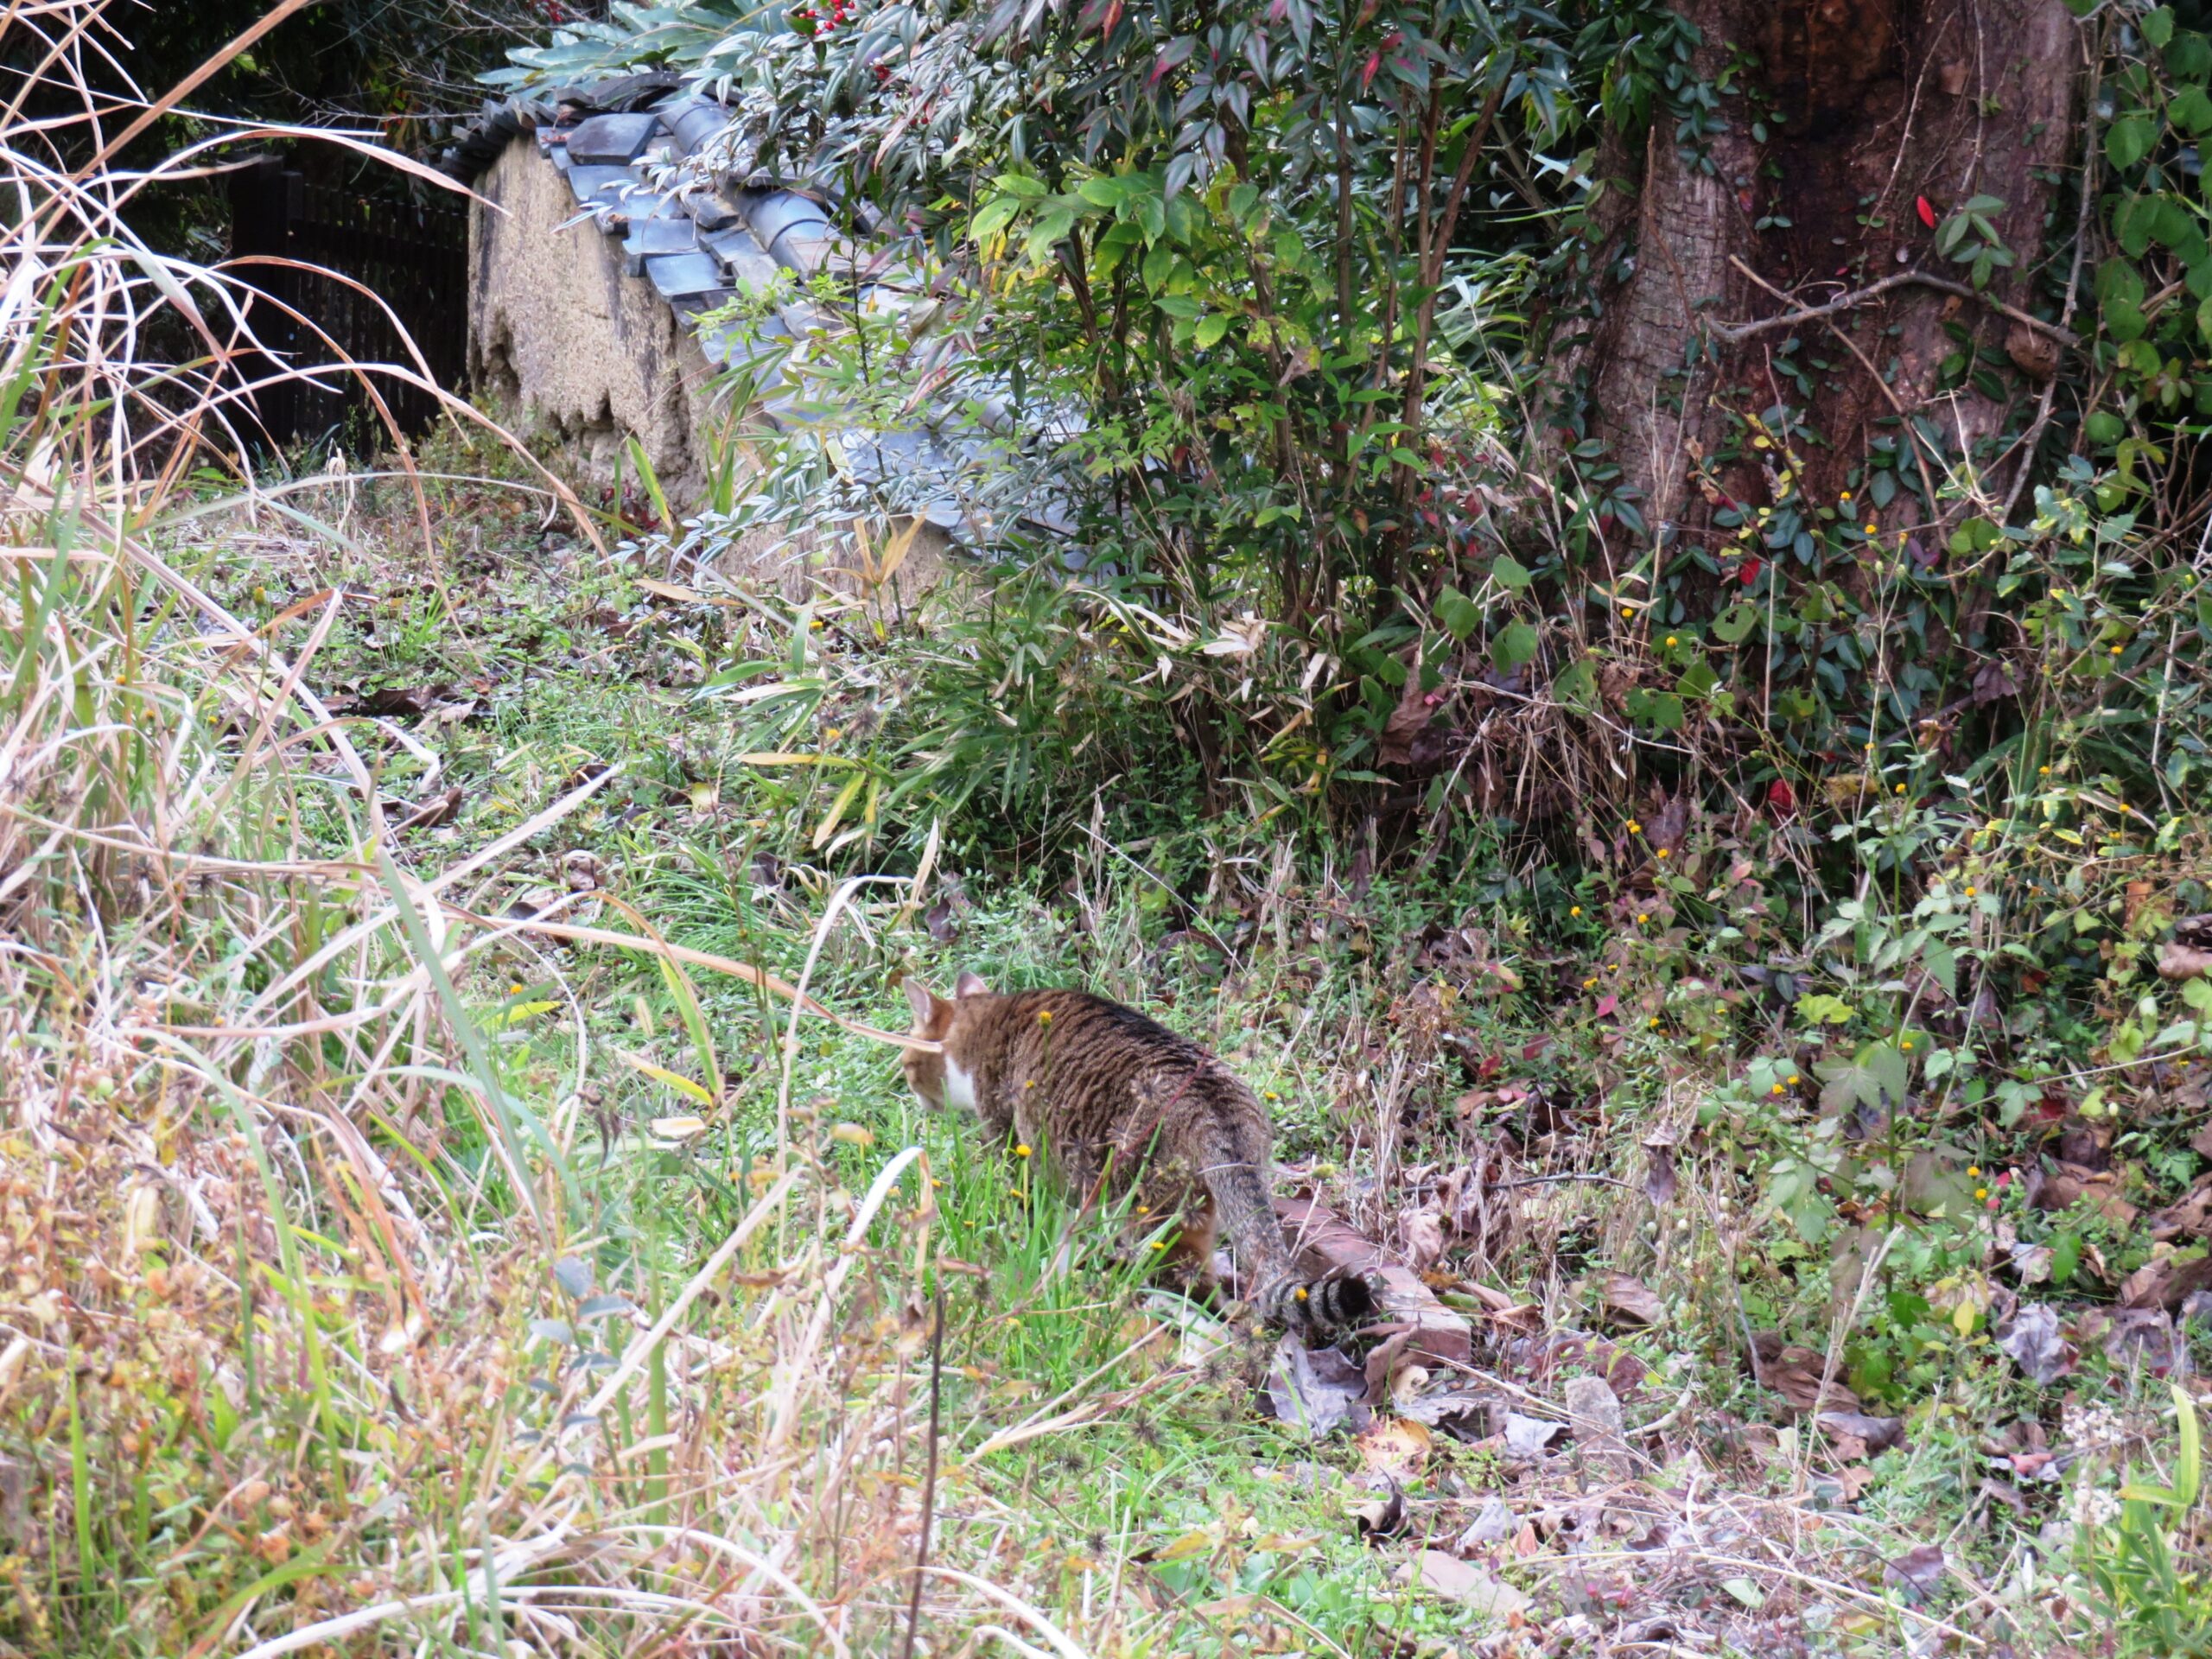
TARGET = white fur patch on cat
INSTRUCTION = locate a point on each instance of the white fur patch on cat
(959, 1086)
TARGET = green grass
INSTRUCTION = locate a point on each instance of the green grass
(381, 1361)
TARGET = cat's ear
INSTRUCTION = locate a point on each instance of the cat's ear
(970, 985)
(923, 1002)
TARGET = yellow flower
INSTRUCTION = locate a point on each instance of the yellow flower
(1634, 828)
(1574, 910)
(1587, 983)
(1628, 610)
(1793, 1080)
(1974, 1171)
(1664, 853)
(1900, 789)
(1981, 1192)
(2116, 650)
(1612, 967)
(1906, 1045)
(1655, 1019)
(1874, 529)
(1972, 890)
(1641, 916)
(1273, 1095)
(1021, 1151)
(1844, 498)
(1777, 1088)
(2043, 771)
(1869, 745)
(1299, 1295)
(1158, 1243)
(1672, 640)
(1043, 1016)
(833, 733)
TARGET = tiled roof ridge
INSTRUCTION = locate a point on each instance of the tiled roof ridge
(699, 248)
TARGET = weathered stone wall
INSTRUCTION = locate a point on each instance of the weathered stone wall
(584, 353)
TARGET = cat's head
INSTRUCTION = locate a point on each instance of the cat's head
(934, 1017)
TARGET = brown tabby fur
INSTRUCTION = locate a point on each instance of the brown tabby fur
(1121, 1104)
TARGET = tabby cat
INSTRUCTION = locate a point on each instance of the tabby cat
(1122, 1105)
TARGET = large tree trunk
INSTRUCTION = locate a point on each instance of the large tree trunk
(1869, 108)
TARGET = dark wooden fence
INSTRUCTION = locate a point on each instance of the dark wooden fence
(412, 257)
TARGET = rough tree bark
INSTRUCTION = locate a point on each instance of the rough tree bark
(1870, 107)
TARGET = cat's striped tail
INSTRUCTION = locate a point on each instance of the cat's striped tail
(1309, 1307)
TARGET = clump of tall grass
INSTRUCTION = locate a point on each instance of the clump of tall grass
(315, 1338)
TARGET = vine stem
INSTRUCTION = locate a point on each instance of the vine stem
(1735, 332)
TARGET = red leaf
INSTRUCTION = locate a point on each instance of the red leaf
(1748, 572)
(1782, 797)
(1927, 209)
(1368, 74)
(1608, 1005)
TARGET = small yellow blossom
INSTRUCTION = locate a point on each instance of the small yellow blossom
(2043, 771)
(1043, 1016)
(1974, 1171)
(1641, 916)
(1672, 641)
(1906, 1045)
(1158, 1243)
(1872, 529)
(1900, 789)
(1981, 1192)
(1844, 498)
(1587, 983)
(1574, 910)
(1972, 890)
(1021, 1151)
(1793, 1080)
(1665, 853)
(1634, 828)
(1777, 1088)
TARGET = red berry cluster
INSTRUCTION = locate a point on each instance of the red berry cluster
(824, 19)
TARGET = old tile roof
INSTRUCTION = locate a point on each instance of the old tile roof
(700, 247)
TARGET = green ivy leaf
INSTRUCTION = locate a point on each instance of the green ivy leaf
(2157, 26)
(1513, 646)
(1734, 626)
(2128, 140)
(1511, 572)
(2190, 109)
(1577, 688)
(1461, 615)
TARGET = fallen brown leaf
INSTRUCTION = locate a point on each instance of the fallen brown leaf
(1627, 1297)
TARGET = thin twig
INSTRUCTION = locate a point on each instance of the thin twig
(929, 1481)
(1734, 332)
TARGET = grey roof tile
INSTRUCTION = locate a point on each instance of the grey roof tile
(770, 213)
(613, 140)
(800, 250)
(694, 122)
(592, 184)
(742, 257)
(689, 307)
(651, 236)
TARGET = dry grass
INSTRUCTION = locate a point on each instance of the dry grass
(299, 1352)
